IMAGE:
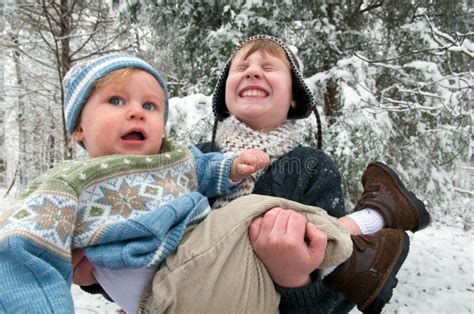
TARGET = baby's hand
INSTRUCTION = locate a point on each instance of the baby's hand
(248, 162)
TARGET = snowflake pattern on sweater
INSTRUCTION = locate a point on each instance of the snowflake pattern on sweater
(124, 211)
(101, 193)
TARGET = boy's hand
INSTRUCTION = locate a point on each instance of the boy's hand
(248, 162)
(82, 269)
(288, 245)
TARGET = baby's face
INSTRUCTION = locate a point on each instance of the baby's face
(259, 90)
(123, 117)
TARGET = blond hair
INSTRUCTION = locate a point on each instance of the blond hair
(266, 47)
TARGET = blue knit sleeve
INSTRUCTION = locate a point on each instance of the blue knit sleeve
(33, 279)
(35, 265)
(146, 240)
(213, 171)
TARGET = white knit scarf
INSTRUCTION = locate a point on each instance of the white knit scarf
(235, 136)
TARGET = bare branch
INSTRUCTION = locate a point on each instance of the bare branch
(432, 50)
(44, 63)
(90, 36)
(101, 52)
(464, 191)
(450, 43)
(371, 6)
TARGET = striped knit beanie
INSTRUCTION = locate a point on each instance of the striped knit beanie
(80, 80)
(303, 96)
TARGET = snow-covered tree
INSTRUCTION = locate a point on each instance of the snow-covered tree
(393, 78)
(43, 39)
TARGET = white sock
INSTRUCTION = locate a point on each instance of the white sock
(368, 220)
(326, 271)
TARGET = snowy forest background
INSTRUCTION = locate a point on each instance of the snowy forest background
(393, 79)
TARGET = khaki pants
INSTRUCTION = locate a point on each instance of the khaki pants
(215, 270)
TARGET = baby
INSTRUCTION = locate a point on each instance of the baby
(127, 206)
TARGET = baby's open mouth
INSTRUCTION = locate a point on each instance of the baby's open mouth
(134, 136)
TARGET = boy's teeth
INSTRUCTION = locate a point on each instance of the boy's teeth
(254, 93)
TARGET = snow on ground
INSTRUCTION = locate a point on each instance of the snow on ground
(437, 276)
(87, 304)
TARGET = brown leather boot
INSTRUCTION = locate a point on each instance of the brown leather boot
(384, 192)
(367, 278)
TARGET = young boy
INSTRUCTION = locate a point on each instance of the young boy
(127, 206)
(260, 91)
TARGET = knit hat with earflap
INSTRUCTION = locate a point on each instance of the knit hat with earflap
(80, 80)
(305, 102)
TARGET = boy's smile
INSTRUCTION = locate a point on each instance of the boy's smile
(253, 91)
(123, 117)
(259, 90)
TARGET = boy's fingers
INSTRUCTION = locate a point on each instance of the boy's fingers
(268, 221)
(296, 226)
(254, 229)
(281, 222)
(317, 242)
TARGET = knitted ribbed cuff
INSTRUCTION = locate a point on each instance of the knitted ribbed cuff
(317, 297)
(223, 173)
(300, 300)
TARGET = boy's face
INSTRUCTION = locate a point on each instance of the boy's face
(123, 117)
(259, 90)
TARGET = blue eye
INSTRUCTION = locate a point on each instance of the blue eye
(148, 106)
(116, 101)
